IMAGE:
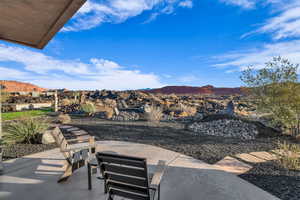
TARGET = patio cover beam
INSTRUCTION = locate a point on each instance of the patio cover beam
(35, 22)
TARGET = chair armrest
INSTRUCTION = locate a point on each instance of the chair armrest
(155, 182)
(78, 140)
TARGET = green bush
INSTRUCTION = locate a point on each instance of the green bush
(88, 108)
(289, 155)
(27, 131)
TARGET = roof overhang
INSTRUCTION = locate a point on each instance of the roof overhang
(34, 22)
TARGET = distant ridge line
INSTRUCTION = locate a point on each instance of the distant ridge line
(208, 89)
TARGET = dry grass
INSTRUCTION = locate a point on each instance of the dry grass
(184, 108)
(289, 155)
(154, 115)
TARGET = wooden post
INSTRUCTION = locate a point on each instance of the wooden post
(82, 97)
(55, 102)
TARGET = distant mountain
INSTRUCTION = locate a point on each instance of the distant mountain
(208, 89)
(16, 86)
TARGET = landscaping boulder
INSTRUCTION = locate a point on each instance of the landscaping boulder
(64, 119)
(47, 137)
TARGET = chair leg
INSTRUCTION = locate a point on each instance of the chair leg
(158, 192)
(89, 176)
(105, 188)
(68, 172)
(110, 197)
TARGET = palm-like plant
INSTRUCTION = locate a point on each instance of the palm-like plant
(25, 131)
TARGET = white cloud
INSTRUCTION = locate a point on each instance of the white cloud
(40, 63)
(285, 25)
(259, 56)
(94, 13)
(285, 20)
(7, 73)
(247, 4)
(186, 4)
(50, 72)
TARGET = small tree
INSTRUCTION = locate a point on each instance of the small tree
(276, 91)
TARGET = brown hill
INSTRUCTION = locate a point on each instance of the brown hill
(15, 86)
(196, 90)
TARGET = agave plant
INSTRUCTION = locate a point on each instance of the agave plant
(25, 131)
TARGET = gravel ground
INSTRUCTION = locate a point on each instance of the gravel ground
(268, 176)
(19, 150)
(172, 136)
(276, 180)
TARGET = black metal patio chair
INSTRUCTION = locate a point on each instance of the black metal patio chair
(128, 177)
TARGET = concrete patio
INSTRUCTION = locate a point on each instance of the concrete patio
(35, 177)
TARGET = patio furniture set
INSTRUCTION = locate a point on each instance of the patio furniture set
(123, 176)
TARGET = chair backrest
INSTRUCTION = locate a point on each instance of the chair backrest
(61, 142)
(125, 176)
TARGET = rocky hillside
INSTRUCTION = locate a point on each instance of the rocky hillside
(211, 90)
(15, 86)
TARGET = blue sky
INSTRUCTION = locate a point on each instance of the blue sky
(132, 44)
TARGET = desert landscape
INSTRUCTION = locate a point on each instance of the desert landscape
(150, 99)
(209, 124)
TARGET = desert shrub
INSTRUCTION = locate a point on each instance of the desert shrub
(88, 108)
(64, 118)
(184, 108)
(188, 109)
(288, 155)
(66, 102)
(154, 114)
(27, 131)
(275, 91)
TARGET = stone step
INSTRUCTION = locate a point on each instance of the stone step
(73, 129)
(249, 158)
(79, 132)
(232, 165)
(264, 155)
(65, 126)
